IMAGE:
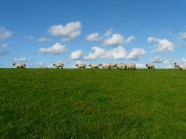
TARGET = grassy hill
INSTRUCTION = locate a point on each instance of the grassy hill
(86, 103)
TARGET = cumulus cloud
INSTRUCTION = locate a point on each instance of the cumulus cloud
(117, 39)
(4, 33)
(4, 45)
(136, 53)
(44, 39)
(22, 59)
(168, 63)
(158, 59)
(115, 53)
(3, 53)
(68, 32)
(162, 45)
(182, 36)
(108, 33)
(140, 66)
(77, 54)
(182, 62)
(93, 37)
(55, 49)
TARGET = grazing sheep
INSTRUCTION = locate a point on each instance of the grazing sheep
(131, 66)
(121, 66)
(105, 66)
(150, 66)
(94, 66)
(19, 65)
(176, 65)
(58, 65)
(81, 66)
(183, 69)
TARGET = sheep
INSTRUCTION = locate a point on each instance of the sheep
(150, 66)
(176, 65)
(94, 66)
(131, 66)
(105, 66)
(183, 69)
(58, 65)
(81, 66)
(112, 66)
(19, 65)
(120, 66)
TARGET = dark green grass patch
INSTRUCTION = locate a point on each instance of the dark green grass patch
(72, 103)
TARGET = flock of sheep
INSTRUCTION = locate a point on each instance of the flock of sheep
(104, 66)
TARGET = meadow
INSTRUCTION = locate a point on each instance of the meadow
(92, 103)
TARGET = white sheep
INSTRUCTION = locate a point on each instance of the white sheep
(176, 65)
(81, 66)
(112, 66)
(58, 65)
(105, 66)
(131, 66)
(150, 66)
(183, 69)
(121, 66)
(19, 65)
(94, 66)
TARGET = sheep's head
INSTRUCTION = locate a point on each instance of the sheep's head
(13, 64)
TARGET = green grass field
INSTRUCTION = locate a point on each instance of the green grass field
(78, 103)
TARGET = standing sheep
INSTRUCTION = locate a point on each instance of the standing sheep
(94, 66)
(112, 66)
(121, 66)
(19, 65)
(105, 66)
(150, 66)
(58, 65)
(176, 65)
(81, 66)
(131, 66)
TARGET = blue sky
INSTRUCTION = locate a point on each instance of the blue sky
(42, 32)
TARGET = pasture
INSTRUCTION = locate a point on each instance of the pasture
(92, 103)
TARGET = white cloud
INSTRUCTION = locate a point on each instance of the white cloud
(140, 66)
(162, 44)
(40, 65)
(22, 59)
(108, 33)
(158, 59)
(117, 39)
(93, 37)
(98, 53)
(3, 53)
(4, 33)
(68, 32)
(182, 62)
(115, 53)
(55, 49)
(30, 37)
(182, 36)
(136, 53)
(77, 54)
(168, 63)
(44, 39)
(4, 45)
